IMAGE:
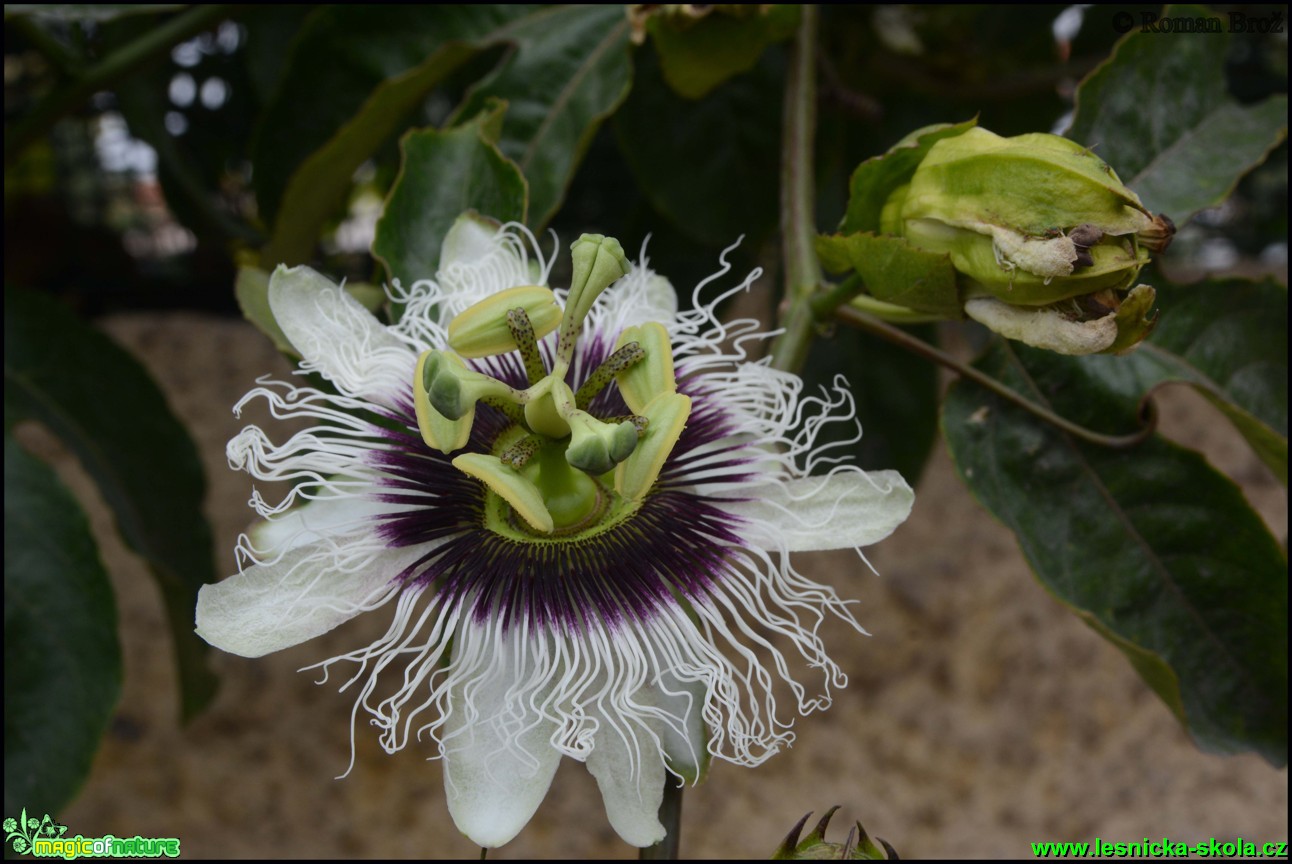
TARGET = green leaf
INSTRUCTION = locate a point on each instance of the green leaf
(697, 55)
(102, 404)
(895, 394)
(895, 271)
(444, 174)
(569, 72)
(1151, 546)
(707, 166)
(1228, 339)
(1158, 112)
(354, 75)
(878, 177)
(62, 663)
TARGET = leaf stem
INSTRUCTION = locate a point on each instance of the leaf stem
(798, 222)
(854, 317)
(670, 814)
(107, 72)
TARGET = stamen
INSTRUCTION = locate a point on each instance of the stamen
(642, 382)
(617, 362)
(522, 333)
(454, 389)
(439, 432)
(484, 329)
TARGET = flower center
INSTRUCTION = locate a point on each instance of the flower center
(557, 471)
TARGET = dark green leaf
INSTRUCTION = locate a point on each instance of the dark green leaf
(1229, 340)
(895, 396)
(697, 55)
(102, 404)
(443, 175)
(877, 178)
(709, 166)
(1158, 112)
(62, 663)
(354, 75)
(1151, 546)
(570, 71)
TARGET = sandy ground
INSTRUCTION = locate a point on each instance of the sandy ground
(980, 715)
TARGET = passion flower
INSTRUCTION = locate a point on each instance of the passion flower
(581, 505)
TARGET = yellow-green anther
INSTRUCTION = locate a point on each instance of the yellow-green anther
(623, 358)
(483, 330)
(596, 446)
(667, 414)
(453, 389)
(439, 432)
(549, 401)
(598, 262)
(522, 333)
(521, 452)
(508, 484)
(643, 381)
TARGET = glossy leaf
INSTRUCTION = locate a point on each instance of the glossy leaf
(570, 70)
(1228, 339)
(102, 404)
(698, 54)
(62, 662)
(354, 75)
(709, 165)
(444, 174)
(1158, 112)
(1151, 546)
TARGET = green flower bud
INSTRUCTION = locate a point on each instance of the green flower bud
(1033, 224)
(1029, 220)
(814, 847)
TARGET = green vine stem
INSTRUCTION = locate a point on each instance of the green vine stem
(854, 317)
(798, 225)
(107, 72)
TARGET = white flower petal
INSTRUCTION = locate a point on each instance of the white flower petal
(338, 337)
(307, 523)
(494, 775)
(1044, 327)
(641, 296)
(847, 508)
(629, 769)
(469, 239)
(479, 259)
(272, 606)
(682, 737)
